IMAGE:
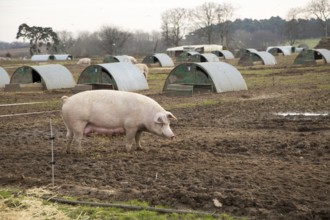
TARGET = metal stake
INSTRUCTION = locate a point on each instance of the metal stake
(52, 137)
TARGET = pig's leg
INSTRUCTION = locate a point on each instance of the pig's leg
(137, 140)
(69, 136)
(78, 137)
(78, 133)
(130, 135)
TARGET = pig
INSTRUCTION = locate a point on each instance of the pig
(132, 59)
(113, 112)
(143, 68)
(84, 61)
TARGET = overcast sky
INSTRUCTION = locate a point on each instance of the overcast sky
(130, 15)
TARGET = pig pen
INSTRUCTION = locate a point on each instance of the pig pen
(235, 148)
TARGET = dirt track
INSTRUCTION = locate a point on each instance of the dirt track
(236, 150)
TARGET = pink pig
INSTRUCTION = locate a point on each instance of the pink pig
(114, 112)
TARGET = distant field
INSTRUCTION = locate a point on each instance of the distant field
(21, 52)
(15, 53)
(311, 43)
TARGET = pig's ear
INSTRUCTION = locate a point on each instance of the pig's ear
(160, 118)
(170, 116)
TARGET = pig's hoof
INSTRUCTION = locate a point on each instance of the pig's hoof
(128, 149)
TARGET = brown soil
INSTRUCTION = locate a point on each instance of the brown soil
(255, 163)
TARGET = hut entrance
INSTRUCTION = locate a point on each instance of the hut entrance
(26, 75)
(123, 76)
(98, 78)
(53, 76)
(151, 61)
(36, 78)
(308, 57)
(158, 60)
(110, 59)
(27, 79)
(275, 51)
(249, 59)
(319, 58)
(188, 79)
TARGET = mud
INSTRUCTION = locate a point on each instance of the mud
(236, 149)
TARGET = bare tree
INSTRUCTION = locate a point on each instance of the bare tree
(292, 24)
(174, 25)
(224, 12)
(205, 17)
(142, 43)
(113, 39)
(211, 18)
(261, 39)
(243, 39)
(66, 41)
(87, 44)
(321, 10)
(158, 44)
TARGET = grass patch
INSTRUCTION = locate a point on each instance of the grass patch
(5, 193)
(15, 205)
(88, 212)
(305, 75)
(256, 71)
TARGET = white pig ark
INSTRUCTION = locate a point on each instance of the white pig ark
(114, 112)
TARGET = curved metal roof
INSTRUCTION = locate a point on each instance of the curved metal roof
(42, 57)
(53, 76)
(285, 50)
(186, 56)
(224, 53)
(267, 58)
(164, 59)
(122, 58)
(223, 76)
(63, 57)
(206, 57)
(325, 53)
(46, 57)
(126, 75)
(242, 52)
(192, 53)
(251, 50)
(311, 56)
(4, 77)
(206, 47)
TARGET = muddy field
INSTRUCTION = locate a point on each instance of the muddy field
(232, 147)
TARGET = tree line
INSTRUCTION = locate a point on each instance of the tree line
(209, 23)
(212, 23)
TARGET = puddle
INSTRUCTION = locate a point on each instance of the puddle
(306, 114)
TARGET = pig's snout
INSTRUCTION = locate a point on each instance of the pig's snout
(169, 134)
